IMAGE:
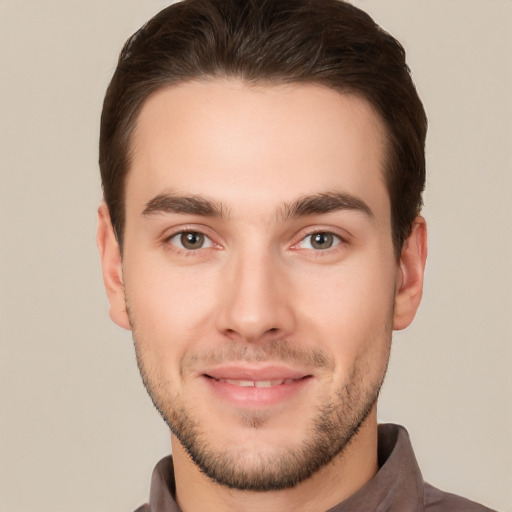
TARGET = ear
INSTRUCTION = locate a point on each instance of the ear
(409, 287)
(112, 269)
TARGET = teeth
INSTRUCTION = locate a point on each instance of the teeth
(241, 383)
(266, 383)
(256, 383)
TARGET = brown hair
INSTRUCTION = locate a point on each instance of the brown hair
(328, 42)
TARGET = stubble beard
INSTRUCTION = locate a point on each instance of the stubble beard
(332, 427)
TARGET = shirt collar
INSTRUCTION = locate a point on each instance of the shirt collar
(397, 486)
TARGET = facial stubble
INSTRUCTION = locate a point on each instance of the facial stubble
(333, 425)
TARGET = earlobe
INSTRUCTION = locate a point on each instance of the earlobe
(112, 270)
(409, 287)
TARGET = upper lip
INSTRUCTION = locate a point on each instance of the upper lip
(254, 373)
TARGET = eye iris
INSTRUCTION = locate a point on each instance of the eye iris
(322, 240)
(192, 240)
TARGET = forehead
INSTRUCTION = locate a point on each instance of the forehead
(264, 144)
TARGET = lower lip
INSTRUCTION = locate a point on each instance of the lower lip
(248, 396)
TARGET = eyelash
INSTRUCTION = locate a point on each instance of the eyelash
(183, 250)
(338, 240)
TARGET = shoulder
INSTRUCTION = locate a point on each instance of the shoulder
(143, 508)
(439, 501)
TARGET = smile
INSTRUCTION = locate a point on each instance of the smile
(255, 388)
(256, 383)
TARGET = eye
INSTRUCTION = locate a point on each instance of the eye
(190, 240)
(319, 241)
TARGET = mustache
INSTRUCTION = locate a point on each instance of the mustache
(273, 351)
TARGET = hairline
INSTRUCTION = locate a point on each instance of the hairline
(265, 82)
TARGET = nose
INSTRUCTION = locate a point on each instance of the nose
(255, 299)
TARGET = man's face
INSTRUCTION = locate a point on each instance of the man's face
(259, 273)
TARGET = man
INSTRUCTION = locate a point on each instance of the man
(262, 165)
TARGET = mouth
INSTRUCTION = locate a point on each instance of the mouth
(247, 388)
(257, 383)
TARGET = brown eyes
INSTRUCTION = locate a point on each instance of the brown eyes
(319, 241)
(190, 241)
(195, 240)
(322, 240)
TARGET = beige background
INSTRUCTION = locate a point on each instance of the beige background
(77, 430)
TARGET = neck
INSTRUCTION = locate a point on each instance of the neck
(349, 471)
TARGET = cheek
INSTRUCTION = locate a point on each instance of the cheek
(351, 312)
(170, 308)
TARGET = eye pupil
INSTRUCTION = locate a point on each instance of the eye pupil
(322, 240)
(191, 240)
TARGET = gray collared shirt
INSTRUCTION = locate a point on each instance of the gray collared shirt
(397, 487)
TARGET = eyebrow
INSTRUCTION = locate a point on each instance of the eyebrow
(192, 205)
(302, 207)
(325, 203)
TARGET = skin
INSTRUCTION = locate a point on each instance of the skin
(258, 295)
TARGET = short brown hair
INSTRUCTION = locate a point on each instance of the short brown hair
(326, 42)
